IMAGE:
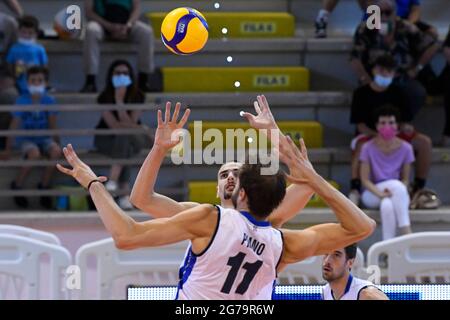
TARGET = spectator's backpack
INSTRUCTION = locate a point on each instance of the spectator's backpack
(425, 199)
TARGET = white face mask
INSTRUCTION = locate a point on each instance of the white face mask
(36, 89)
(26, 41)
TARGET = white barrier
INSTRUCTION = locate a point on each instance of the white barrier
(415, 258)
(32, 269)
(30, 233)
(112, 270)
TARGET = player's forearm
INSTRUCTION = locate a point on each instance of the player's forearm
(351, 218)
(118, 224)
(143, 188)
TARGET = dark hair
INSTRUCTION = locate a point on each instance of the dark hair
(264, 192)
(29, 22)
(350, 251)
(37, 70)
(386, 110)
(386, 61)
(133, 95)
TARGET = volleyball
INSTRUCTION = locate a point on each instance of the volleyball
(61, 28)
(184, 31)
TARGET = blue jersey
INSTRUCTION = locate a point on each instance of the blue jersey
(23, 56)
(33, 120)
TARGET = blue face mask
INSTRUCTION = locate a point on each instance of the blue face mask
(383, 81)
(121, 80)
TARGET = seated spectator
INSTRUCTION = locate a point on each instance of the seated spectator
(445, 82)
(370, 97)
(385, 164)
(34, 147)
(26, 53)
(411, 48)
(8, 26)
(324, 14)
(8, 95)
(121, 89)
(410, 10)
(116, 20)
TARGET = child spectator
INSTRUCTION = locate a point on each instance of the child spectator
(26, 53)
(34, 147)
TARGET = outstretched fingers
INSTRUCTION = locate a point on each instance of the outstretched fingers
(176, 112)
(160, 120)
(257, 108)
(303, 149)
(184, 118)
(167, 114)
(64, 170)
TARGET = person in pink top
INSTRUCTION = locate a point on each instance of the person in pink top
(385, 167)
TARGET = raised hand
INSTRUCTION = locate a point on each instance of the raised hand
(164, 136)
(264, 118)
(297, 160)
(81, 171)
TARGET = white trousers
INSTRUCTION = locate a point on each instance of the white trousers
(394, 210)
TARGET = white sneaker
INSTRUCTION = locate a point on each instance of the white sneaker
(111, 185)
(124, 203)
(355, 197)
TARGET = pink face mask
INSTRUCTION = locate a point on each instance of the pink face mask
(387, 132)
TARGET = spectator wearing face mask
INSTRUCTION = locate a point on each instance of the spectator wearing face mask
(385, 165)
(34, 147)
(368, 98)
(121, 89)
(411, 48)
(26, 53)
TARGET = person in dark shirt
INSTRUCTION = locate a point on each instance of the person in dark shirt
(366, 100)
(445, 82)
(117, 20)
(411, 48)
(121, 89)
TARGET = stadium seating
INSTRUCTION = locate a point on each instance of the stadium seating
(237, 79)
(31, 233)
(239, 24)
(416, 258)
(116, 269)
(25, 275)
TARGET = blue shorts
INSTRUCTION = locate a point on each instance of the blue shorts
(43, 146)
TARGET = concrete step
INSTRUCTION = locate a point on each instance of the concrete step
(331, 109)
(65, 57)
(236, 79)
(238, 24)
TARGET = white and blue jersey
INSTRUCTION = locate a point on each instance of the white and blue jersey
(239, 263)
(352, 289)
